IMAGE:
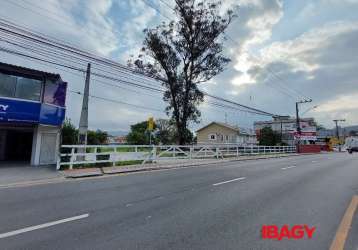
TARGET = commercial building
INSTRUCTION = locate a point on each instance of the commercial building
(32, 110)
(287, 127)
(217, 132)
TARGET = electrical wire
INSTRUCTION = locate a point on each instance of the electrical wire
(58, 46)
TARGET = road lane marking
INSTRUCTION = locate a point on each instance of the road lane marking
(224, 182)
(343, 229)
(288, 167)
(48, 224)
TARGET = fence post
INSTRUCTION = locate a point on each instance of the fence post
(72, 157)
(114, 156)
(58, 161)
(191, 152)
(237, 151)
(217, 153)
(154, 154)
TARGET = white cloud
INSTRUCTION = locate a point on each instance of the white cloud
(321, 62)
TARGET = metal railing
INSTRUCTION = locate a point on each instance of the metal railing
(71, 155)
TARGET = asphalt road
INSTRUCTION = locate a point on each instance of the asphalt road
(212, 207)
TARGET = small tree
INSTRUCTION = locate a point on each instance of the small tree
(183, 54)
(96, 137)
(69, 133)
(139, 135)
(268, 137)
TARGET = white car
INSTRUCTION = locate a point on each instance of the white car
(351, 144)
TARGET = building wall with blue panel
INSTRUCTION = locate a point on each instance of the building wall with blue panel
(32, 111)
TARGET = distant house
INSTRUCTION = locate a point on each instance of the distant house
(115, 140)
(286, 126)
(217, 132)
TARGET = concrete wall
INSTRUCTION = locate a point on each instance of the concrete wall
(222, 134)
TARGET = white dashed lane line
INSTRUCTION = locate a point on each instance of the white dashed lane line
(48, 224)
(289, 167)
(224, 182)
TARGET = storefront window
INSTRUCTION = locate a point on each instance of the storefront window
(7, 85)
(20, 87)
(28, 89)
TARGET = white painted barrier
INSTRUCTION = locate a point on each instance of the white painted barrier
(70, 155)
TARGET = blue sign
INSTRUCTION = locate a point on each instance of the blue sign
(22, 111)
(51, 115)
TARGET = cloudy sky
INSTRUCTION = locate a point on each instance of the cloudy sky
(281, 51)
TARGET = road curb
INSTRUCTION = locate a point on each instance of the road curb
(83, 173)
(90, 172)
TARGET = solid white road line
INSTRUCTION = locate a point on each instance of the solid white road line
(49, 224)
(224, 182)
(288, 167)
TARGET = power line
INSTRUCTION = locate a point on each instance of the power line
(79, 54)
(265, 68)
(116, 101)
(156, 9)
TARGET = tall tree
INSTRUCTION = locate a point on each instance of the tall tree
(165, 131)
(184, 53)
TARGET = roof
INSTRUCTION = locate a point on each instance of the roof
(220, 124)
(245, 131)
(14, 69)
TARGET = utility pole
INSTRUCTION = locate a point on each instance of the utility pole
(83, 127)
(298, 127)
(337, 131)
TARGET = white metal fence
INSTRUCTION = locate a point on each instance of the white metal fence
(72, 155)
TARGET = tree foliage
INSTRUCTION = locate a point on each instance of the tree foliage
(184, 53)
(96, 137)
(164, 133)
(139, 135)
(69, 135)
(268, 137)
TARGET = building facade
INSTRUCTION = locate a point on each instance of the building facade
(217, 133)
(32, 110)
(287, 127)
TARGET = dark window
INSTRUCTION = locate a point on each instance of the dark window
(20, 87)
(7, 85)
(28, 89)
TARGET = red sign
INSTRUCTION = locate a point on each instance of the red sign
(309, 136)
(285, 232)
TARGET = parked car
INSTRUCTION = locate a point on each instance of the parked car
(352, 144)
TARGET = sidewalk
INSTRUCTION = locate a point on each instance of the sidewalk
(168, 164)
(19, 174)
